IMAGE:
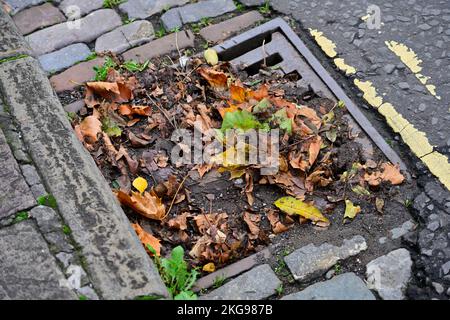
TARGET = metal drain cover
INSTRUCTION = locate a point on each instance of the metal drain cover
(277, 44)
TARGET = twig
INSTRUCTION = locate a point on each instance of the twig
(175, 196)
(264, 52)
(162, 110)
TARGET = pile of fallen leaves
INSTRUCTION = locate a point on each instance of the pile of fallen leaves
(126, 118)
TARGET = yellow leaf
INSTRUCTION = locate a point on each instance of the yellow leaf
(211, 57)
(351, 210)
(140, 184)
(209, 267)
(292, 206)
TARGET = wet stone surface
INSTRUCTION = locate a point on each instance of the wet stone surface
(347, 286)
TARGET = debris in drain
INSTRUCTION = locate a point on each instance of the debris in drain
(224, 209)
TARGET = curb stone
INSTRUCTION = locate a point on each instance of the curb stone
(311, 260)
(115, 259)
(11, 41)
(347, 286)
(257, 284)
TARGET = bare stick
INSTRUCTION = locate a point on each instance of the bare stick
(175, 196)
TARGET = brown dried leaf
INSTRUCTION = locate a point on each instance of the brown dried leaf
(148, 204)
(147, 239)
(216, 79)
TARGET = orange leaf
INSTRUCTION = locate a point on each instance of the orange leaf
(216, 79)
(148, 204)
(223, 110)
(238, 93)
(252, 220)
(147, 239)
(261, 93)
(390, 173)
(89, 128)
(274, 219)
(127, 110)
(314, 149)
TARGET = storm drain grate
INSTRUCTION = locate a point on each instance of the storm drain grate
(277, 44)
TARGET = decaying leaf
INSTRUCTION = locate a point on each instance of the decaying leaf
(351, 210)
(148, 204)
(277, 225)
(252, 220)
(361, 190)
(147, 239)
(128, 110)
(293, 206)
(179, 222)
(390, 173)
(89, 128)
(216, 79)
(379, 203)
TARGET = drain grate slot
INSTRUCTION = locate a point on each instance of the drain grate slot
(249, 44)
(270, 61)
(278, 44)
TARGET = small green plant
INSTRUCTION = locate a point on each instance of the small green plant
(82, 297)
(279, 290)
(134, 66)
(47, 200)
(90, 57)
(101, 72)
(128, 21)
(205, 45)
(337, 268)
(281, 269)
(175, 274)
(111, 128)
(239, 6)
(161, 32)
(408, 203)
(265, 8)
(188, 52)
(205, 21)
(66, 229)
(218, 282)
(112, 3)
(21, 216)
(20, 56)
(71, 116)
(176, 29)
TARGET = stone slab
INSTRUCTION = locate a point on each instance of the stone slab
(76, 75)
(15, 195)
(142, 9)
(232, 270)
(28, 270)
(347, 286)
(250, 3)
(161, 46)
(125, 37)
(64, 58)
(85, 29)
(311, 260)
(390, 274)
(79, 8)
(116, 261)
(38, 17)
(223, 30)
(15, 6)
(196, 11)
(256, 284)
(11, 41)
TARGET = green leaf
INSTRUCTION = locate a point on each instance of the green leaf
(240, 119)
(351, 210)
(111, 128)
(47, 200)
(21, 216)
(331, 135)
(283, 121)
(361, 190)
(262, 106)
(186, 295)
(293, 206)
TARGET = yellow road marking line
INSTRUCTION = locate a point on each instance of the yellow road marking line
(416, 140)
(410, 59)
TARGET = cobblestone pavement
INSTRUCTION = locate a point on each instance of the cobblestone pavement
(135, 30)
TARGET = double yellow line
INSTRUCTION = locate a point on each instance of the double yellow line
(416, 140)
